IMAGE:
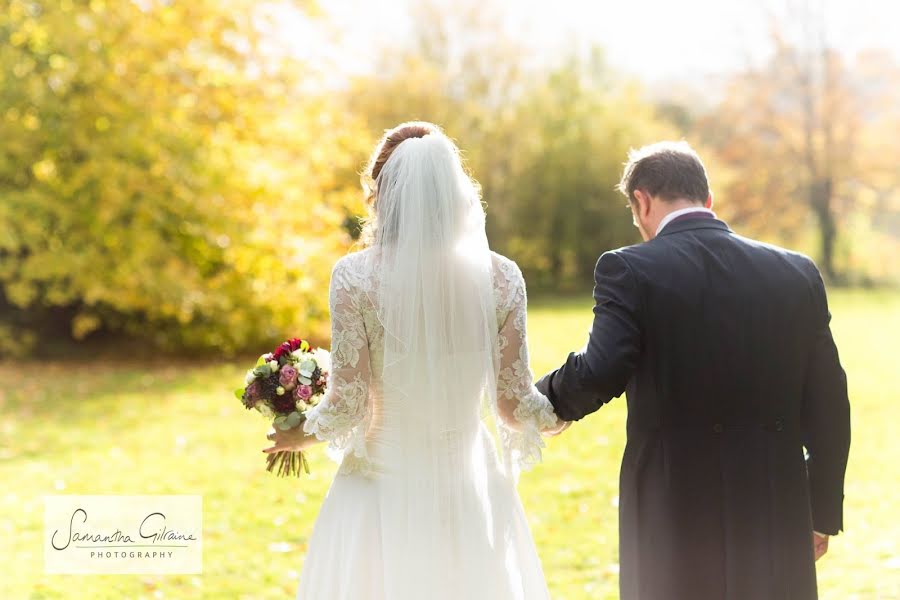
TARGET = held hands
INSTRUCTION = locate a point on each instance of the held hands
(560, 427)
(288, 440)
(820, 544)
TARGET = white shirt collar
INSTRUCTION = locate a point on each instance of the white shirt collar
(681, 211)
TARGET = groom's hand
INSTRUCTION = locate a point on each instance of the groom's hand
(820, 544)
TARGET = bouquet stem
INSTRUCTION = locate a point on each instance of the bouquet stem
(287, 464)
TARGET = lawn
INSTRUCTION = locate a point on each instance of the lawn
(89, 427)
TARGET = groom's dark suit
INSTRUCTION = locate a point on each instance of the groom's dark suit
(724, 349)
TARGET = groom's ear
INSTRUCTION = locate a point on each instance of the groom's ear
(642, 202)
(709, 201)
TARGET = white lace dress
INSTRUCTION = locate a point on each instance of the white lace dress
(350, 555)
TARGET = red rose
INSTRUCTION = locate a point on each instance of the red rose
(287, 347)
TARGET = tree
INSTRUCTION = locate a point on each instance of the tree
(573, 131)
(546, 142)
(789, 131)
(162, 176)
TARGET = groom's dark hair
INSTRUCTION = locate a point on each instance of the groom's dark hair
(668, 170)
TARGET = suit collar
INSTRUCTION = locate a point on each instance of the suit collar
(689, 212)
(688, 224)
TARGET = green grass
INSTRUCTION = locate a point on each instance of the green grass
(91, 428)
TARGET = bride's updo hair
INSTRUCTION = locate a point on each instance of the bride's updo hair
(383, 151)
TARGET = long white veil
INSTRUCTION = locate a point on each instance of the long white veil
(435, 300)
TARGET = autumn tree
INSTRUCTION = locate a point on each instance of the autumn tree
(546, 139)
(163, 175)
(789, 131)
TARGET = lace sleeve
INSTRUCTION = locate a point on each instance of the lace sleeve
(524, 412)
(342, 417)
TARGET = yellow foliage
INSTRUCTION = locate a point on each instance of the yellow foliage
(156, 181)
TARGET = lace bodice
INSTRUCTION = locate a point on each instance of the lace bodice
(344, 415)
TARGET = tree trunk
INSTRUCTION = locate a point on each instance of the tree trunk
(820, 201)
(557, 243)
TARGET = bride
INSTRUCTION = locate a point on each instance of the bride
(430, 367)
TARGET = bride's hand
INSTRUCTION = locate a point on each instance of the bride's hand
(562, 426)
(288, 440)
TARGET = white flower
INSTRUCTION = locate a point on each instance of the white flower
(279, 390)
(249, 377)
(264, 409)
(273, 365)
(323, 359)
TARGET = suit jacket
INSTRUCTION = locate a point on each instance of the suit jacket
(723, 346)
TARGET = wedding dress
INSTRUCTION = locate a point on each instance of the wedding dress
(430, 378)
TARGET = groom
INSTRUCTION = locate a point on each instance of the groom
(723, 347)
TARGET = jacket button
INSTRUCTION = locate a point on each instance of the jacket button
(718, 428)
(779, 424)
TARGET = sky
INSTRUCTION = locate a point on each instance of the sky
(655, 40)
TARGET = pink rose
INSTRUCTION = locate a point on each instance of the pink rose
(300, 395)
(287, 377)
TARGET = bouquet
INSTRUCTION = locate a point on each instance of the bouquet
(282, 386)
